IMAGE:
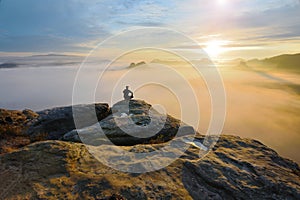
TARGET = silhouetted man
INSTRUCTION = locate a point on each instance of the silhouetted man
(127, 93)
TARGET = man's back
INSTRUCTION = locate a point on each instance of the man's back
(127, 94)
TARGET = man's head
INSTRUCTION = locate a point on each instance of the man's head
(127, 87)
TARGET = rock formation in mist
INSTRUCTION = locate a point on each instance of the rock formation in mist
(136, 64)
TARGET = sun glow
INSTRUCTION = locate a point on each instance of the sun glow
(222, 2)
(215, 47)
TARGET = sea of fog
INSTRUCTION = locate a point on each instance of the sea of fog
(265, 108)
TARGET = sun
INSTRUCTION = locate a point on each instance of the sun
(215, 47)
(222, 2)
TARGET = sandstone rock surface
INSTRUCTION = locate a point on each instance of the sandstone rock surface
(235, 169)
(13, 127)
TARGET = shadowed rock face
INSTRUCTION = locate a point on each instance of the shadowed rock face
(54, 123)
(235, 169)
(129, 117)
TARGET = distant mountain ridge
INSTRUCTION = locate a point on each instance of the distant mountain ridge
(289, 62)
(285, 62)
(54, 55)
(8, 65)
(40, 61)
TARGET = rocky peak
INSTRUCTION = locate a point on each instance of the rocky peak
(136, 64)
(235, 168)
(128, 118)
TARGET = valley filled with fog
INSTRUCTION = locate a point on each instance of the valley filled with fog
(262, 105)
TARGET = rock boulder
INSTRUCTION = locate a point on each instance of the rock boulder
(54, 123)
(129, 124)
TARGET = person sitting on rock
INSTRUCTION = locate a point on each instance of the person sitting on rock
(127, 94)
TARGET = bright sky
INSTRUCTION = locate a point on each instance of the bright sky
(225, 28)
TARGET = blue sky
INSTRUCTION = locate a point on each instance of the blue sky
(77, 25)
